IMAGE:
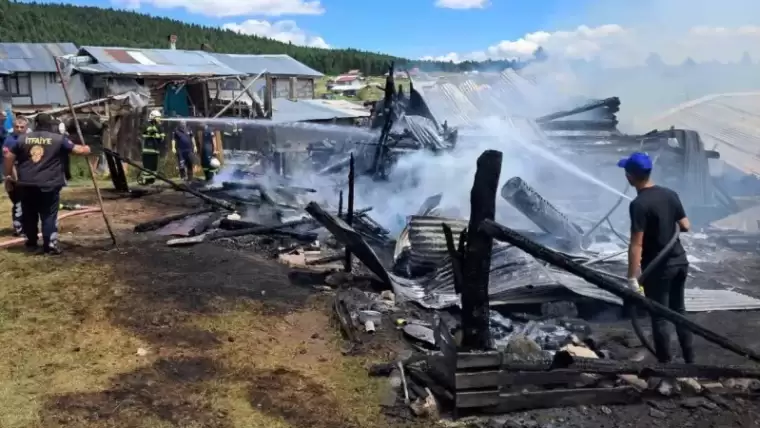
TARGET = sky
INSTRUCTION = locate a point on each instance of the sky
(616, 32)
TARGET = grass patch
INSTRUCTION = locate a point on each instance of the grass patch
(70, 352)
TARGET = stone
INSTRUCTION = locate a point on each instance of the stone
(523, 348)
(657, 414)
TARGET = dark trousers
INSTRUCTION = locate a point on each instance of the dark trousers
(16, 212)
(40, 206)
(666, 286)
(185, 164)
(208, 171)
(150, 162)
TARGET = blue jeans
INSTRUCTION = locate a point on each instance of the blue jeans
(16, 212)
(40, 206)
(185, 164)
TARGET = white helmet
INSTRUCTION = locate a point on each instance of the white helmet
(215, 163)
(154, 114)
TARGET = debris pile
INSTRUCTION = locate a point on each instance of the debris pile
(498, 319)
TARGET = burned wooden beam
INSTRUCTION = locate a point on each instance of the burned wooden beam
(350, 208)
(158, 223)
(280, 229)
(495, 402)
(477, 262)
(350, 238)
(325, 260)
(505, 234)
(178, 187)
(612, 104)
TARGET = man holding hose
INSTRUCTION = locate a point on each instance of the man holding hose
(654, 215)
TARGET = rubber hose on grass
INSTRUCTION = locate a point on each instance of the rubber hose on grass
(84, 210)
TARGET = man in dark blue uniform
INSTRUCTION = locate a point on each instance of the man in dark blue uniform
(19, 128)
(38, 159)
(208, 152)
(184, 147)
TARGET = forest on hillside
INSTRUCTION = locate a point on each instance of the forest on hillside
(37, 22)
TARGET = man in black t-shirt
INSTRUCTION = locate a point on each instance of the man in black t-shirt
(655, 214)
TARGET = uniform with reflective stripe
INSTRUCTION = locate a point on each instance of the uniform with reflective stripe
(152, 136)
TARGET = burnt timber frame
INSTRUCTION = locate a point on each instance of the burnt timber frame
(479, 381)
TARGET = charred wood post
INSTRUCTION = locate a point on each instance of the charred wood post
(505, 234)
(340, 204)
(456, 258)
(161, 222)
(545, 215)
(477, 262)
(350, 207)
(178, 187)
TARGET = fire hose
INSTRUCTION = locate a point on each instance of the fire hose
(629, 308)
(83, 210)
(502, 233)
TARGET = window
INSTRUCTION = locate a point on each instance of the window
(19, 84)
(54, 78)
(3, 82)
(230, 85)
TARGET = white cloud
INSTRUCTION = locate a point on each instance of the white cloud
(461, 4)
(284, 31)
(617, 45)
(226, 8)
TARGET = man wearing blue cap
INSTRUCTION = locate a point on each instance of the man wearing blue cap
(654, 215)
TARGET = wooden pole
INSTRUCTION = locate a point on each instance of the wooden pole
(477, 260)
(238, 96)
(350, 208)
(81, 138)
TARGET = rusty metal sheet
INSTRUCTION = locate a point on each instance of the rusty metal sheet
(121, 55)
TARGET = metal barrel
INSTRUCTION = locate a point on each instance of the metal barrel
(545, 215)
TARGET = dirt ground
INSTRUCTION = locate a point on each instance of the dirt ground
(206, 336)
(147, 336)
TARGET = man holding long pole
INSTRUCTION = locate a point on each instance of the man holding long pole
(39, 178)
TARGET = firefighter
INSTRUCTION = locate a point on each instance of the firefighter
(152, 139)
(209, 153)
(37, 158)
(183, 147)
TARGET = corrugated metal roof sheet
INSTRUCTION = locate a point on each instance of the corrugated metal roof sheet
(273, 64)
(353, 109)
(32, 57)
(154, 62)
(427, 240)
(286, 111)
(728, 123)
(517, 277)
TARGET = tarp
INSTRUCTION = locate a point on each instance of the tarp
(175, 101)
(8, 124)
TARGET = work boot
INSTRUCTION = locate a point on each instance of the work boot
(31, 247)
(53, 251)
